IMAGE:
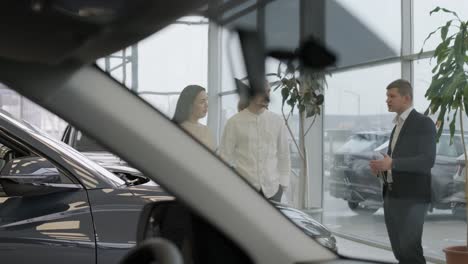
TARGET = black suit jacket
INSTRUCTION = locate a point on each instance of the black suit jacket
(413, 157)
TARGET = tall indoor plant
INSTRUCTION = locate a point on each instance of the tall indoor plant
(448, 93)
(302, 90)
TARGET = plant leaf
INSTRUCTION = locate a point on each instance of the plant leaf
(441, 52)
(301, 108)
(455, 82)
(320, 99)
(445, 29)
(440, 119)
(434, 88)
(465, 93)
(278, 72)
(452, 126)
(284, 94)
(465, 99)
(458, 49)
(451, 12)
(291, 102)
(275, 85)
(435, 10)
(427, 111)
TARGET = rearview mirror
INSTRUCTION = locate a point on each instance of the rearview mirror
(310, 54)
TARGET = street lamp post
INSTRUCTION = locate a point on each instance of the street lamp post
(358, 96)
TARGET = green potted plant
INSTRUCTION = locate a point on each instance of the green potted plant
(448, 94)
(302, 90)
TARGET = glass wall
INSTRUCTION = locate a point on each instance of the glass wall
(357, 124)
(182, 47)
(354, 31)
(368, 37)
(22, 108)
(424, 23)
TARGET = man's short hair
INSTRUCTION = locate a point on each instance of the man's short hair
(404, 87)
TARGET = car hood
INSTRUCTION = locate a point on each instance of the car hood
(116, 165)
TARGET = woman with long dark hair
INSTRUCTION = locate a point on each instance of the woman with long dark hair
(191, 107)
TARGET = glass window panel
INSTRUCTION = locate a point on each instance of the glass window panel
(355, 116)
(122, 72)
(228, 109)
(422, 75)
(22, 108)
(169, 51)
(425, 24)
(360, 92)
(232, 61)
(282, 24)
(355, 29)
(166, 63)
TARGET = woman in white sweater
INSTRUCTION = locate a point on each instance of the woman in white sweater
(191, 107)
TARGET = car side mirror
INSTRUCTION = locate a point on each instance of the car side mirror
(32, 176)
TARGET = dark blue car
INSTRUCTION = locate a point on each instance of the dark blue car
(57, 206)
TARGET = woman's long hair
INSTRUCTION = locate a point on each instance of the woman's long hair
(185, 103)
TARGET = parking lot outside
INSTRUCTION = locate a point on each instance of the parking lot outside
(441, 229)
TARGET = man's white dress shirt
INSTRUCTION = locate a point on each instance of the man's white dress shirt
(399, 121)
(257, 146)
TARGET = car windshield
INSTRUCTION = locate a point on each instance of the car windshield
(288, 92)
(194, 72)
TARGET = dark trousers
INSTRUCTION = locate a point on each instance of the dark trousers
(404, 220)
(277, 196)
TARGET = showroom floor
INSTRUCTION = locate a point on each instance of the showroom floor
(440, 230)
(359, 250)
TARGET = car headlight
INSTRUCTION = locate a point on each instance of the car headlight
(311, 227)
(318, 232)
(328, 242)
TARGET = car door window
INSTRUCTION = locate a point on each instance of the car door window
(44, 212)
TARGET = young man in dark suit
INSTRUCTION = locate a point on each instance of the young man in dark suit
(406, 173)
